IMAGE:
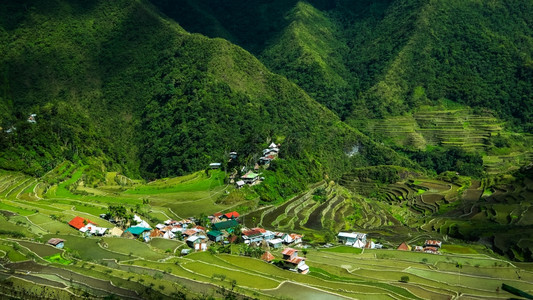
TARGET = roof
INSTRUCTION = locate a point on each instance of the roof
(276, 241)
(303, 267)
(218, 214)
(289, 251)
(137, 230)
(156, 233)
(295, 236)
(79, 222)
(359, 244)
(267, 256)
(249, 175)
(403, 246)
(193, 238)
(261, 230)
(232, 214)
(352, 235)
(225, 224)
(295, 260)
(214, 233)
(431, 249)
(116, 231)
(252, 232)
(433, 243)
(142, 223)
(55, 241)
(190, 232)
(240, 183)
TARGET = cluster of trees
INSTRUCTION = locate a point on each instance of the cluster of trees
(139, 95)
(148, 99)
(120, 214)
(440, 159)
(379, 58)
(382, 174)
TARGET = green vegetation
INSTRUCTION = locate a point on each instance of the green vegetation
(194, 84)
(344, 249)
(58, 259)
(394, 118)
(391, 56)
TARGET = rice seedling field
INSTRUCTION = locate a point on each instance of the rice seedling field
(165, 244)
(410, 210)
(131, 248)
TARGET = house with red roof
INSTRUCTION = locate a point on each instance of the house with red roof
(294, 262)
(252, 236)
(268, 257)
(289, 253)
(190, 232)
(232, 215)
(433, 243)
(432, 250)
(404, 247)
(79, 222)
(296, 238)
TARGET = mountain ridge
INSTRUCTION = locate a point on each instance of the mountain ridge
(142, 96)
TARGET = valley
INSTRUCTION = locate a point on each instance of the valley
(411, 210)
(281, 149)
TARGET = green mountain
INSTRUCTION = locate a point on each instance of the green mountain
(123, 88)
(381, 58)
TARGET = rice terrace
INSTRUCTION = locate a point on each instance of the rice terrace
(35, 210)
(280, 149)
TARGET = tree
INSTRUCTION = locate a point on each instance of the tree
(404, 278)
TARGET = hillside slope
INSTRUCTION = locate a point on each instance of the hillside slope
(381, 58)
(119, 82)
(475, 53)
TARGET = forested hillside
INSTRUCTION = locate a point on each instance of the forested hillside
(122, 88)
(381, 58)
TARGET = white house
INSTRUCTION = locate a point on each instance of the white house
(349, 238)
(268, 235)
(169, 235)
(287, 239)
(140, 222)
(275, 243)
(359, 244)
(240, 184)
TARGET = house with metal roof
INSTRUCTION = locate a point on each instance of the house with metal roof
(225, 225)
(56, 242)
(215, 235)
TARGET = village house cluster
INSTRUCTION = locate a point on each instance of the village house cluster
(223, 229)
(251, 177)
(430, 246)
